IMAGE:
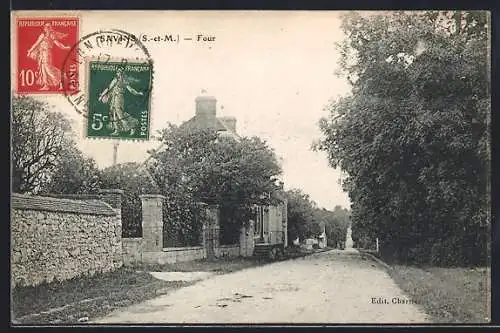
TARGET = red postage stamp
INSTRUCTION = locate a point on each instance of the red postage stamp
(43, 45)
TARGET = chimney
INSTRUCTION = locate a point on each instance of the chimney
(229, 122)
(206, 106)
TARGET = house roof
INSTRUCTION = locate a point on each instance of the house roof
(86, 206)
(201, 121)
(227, 130)
(204, 121)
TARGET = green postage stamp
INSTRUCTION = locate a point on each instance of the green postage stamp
(119, 99)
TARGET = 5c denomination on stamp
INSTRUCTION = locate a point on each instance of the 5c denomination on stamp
(43, 43)
(119, 99)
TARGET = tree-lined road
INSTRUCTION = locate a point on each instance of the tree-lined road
(328, 287)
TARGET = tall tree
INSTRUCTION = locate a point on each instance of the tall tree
(39, 136)
(413, 134)
(304, 218)
(134, 181)
(336, 223)
(74, 173)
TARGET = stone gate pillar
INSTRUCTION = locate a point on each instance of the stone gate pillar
(152, 222)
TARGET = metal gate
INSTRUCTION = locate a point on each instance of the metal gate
(211, 237)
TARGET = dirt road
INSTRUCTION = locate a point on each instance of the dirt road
(329, 287)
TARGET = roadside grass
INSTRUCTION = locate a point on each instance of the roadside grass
(68, 301)
(448, 295)
(84, 298)
(220, 265)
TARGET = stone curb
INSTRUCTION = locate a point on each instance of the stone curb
(302, 255)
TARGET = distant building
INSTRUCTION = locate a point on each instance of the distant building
(270, 221)
(309, 243)
(206, 117)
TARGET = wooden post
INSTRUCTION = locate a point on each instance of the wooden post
(115, 152)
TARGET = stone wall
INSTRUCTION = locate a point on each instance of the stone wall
(132, 250)
(227, 251)
(174, 254)
(58, 239)
(149, 248)
(133, 253)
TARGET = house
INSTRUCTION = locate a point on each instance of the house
(319, 241)
(270, 221)
(270, 235)
(310, 243)
(206, 117)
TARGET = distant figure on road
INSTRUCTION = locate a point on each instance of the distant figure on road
(348, 240)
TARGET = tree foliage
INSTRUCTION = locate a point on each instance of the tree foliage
(197, 165)
(413, 135)
(74, 174)
(336, 224)
(302, 221)
(134, 181)
(306, 220)
(39, 137)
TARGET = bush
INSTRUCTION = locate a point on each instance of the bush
(419, 253)
(470, 250)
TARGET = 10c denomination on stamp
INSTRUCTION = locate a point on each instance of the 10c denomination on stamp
(43, 44)
(119, 99)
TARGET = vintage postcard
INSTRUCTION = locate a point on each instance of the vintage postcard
(251, 167)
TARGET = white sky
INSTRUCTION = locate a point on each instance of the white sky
(273, 71)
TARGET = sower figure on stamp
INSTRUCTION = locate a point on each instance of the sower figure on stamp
(119, 120)
(48, 75)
